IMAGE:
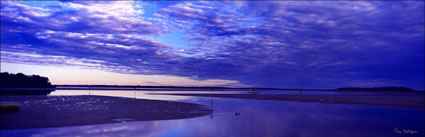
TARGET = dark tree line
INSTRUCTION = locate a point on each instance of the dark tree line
(10, 81)
(19, 80)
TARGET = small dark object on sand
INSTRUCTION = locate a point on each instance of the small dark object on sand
(237, 114)
(9, 107)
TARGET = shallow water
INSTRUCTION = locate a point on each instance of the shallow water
(244, 118)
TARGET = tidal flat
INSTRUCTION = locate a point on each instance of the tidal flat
(61, 111)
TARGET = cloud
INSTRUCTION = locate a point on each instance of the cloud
(300, 42)
(288, 44)
(118, 43)
(79, 18)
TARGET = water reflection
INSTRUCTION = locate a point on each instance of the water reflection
(140, 94)
(242, 117)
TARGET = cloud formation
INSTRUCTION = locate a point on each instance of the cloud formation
(288, 44)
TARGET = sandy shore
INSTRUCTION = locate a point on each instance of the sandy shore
(59, 111)
(392, 99)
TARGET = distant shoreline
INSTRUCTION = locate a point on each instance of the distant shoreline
(175, 88)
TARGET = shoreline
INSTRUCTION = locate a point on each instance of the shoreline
(411, 101)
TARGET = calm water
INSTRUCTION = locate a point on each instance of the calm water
(256, 118)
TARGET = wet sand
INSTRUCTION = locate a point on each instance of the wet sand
(391, 99)
(59, 111)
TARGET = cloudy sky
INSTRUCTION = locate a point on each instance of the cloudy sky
(321, 44)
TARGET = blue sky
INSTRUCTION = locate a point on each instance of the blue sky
(306, 44)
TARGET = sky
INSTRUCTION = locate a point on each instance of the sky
(281, 44)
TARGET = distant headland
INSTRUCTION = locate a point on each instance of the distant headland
(376, 89)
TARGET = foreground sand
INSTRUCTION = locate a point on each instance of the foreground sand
(59, 111)
(391, 99)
